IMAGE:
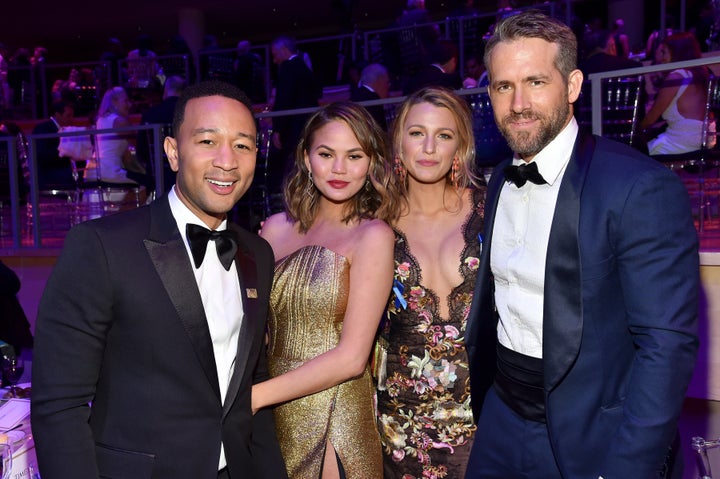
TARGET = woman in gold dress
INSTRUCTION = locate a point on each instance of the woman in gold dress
(333, 273)
(424, 414)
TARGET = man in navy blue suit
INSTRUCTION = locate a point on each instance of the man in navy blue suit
(583, 329)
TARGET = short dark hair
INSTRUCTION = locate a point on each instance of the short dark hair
(203, 89)
(443, 51)
(59, 107)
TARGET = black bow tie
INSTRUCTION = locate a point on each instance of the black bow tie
(198, 238)
(524, 173)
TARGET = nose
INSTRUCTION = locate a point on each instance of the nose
(338, 165)
(225, 157)
(519, 102)
(429, 144)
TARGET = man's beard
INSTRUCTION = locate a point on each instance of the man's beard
(527, 143)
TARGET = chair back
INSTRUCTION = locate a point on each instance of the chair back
(490, 145)
(622, 98)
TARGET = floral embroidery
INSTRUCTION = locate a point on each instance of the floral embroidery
(424, 414)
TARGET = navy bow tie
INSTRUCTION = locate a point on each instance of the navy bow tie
(226, 241)
(524, 173)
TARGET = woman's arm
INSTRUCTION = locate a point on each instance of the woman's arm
(665, 94)
(371, 276)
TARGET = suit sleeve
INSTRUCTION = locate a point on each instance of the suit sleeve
(265, 448)
(657, 254)
(74, 317)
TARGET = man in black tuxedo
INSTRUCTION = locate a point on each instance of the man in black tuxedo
(440, 71)
(596, 57)
(296, 87)
(147, 373)
(54, 172)
(160, 114)
(374, 85)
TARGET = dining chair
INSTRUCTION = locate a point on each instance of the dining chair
(621, 103)
(700, 168)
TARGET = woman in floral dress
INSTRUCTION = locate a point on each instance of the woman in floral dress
(424, 414)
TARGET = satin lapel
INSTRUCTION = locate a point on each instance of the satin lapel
(247, 272)
(167, 252)
(562, 311)
(484, 278)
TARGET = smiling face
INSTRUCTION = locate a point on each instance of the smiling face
(429, 142)
(214, 155)
(530, 99)
(337, 161)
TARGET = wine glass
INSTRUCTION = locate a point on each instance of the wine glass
(12, 369)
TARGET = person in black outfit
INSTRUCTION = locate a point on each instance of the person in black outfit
(14, 325)
(440, 72)
(597, 59)
(296, 87)
(160, 114)
(374, 85)
(54, 172)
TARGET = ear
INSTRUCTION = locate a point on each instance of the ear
(306, 160)
(171, 151)
(575, 81)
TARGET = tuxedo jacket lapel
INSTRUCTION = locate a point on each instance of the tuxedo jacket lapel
(562, 311)
(169, 255)
(247, 272)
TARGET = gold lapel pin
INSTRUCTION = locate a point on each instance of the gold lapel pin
(251, 293)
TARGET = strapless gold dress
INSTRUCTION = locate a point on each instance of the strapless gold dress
(307, 305)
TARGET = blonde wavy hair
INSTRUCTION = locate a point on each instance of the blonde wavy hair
(460, 110)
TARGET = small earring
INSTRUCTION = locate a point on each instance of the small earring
(400, 170)
(310, 186)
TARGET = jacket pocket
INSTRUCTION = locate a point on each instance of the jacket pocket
(116, 463)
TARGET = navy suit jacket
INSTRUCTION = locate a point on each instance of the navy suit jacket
(619, 315)
(130, 335)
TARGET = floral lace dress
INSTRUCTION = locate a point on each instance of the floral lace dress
(424, 415)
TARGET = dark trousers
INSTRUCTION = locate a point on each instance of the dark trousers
(509, 447)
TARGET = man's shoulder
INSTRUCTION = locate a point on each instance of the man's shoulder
(46, 126)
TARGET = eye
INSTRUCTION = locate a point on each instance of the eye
(242, 146)
(445, 136)
(324, 154)
(415, 133)
(206, 141)
(503, 87)
(537, 82)
(357, 156)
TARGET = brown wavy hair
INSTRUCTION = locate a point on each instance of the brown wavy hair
(379, 199)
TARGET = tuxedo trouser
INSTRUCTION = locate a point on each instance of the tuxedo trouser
(507, 446)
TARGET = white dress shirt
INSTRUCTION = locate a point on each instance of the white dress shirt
(519, 247)
(221, 298)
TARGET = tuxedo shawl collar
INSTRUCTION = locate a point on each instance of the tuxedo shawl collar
(170, 258)
(562, 310)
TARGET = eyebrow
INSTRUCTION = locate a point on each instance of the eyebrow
(351, 150)
(444, 128)
(200, 131)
